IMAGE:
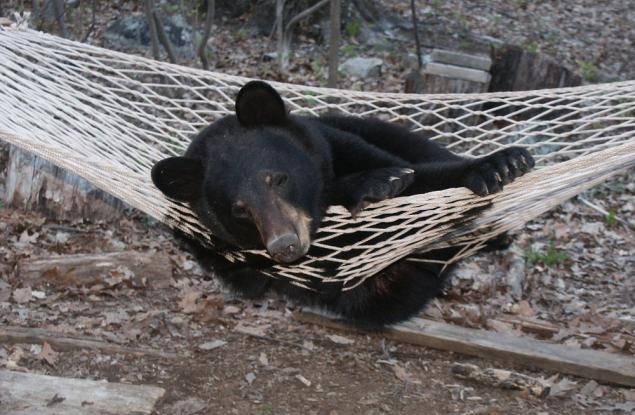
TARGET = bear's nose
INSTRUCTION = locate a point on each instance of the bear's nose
(285, 248)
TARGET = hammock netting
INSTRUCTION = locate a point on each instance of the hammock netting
(108, 117)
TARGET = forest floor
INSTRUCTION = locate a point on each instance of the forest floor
(575, 267)
(235, 356)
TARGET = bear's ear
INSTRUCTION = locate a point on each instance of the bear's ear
(179, 178)
(259, 104)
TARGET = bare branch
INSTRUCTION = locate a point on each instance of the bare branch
(149, 6)
(304, 14)
(279, 3)
(163, 38)
(209, 18)
(292, 22)
(334, 43)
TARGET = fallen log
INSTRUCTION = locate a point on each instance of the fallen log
(148, 269)
(30, 394)
(64, 342)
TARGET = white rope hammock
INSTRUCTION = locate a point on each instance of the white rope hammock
(109, 117)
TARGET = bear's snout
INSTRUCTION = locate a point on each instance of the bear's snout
(285, 248)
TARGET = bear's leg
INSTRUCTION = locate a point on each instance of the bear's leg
(357, 190)
(437, 168)
(483, 176)
(396, 293)
(412, 147)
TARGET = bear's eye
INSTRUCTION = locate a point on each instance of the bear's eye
(239, 211)
(279, 179)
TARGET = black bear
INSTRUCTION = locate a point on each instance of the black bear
(264, 178)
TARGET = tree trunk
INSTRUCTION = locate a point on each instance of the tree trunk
(516, 69)
(58, 7)
(279, 24)
(209, 19)
(154, 37)
(334, 42)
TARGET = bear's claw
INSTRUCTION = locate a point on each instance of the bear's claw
(490, 174)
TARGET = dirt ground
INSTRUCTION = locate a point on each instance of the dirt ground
(232, 356)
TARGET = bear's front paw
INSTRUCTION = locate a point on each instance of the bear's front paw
(376, 185)
(489, 174)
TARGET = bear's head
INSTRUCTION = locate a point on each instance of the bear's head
(255, 179)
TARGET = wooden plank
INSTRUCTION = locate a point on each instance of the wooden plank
(33, 394)
(592, 364)
(152, 269)
(457, 72)
(452, 57)
(61, 342)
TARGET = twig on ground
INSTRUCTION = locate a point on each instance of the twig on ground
(500, 378)
(602, 211)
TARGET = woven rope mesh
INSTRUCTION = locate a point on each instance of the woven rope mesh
(109, 117)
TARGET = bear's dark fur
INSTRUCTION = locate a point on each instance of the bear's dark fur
(264, 178)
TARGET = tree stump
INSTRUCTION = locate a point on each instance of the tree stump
(516, 69)
(34, 184)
